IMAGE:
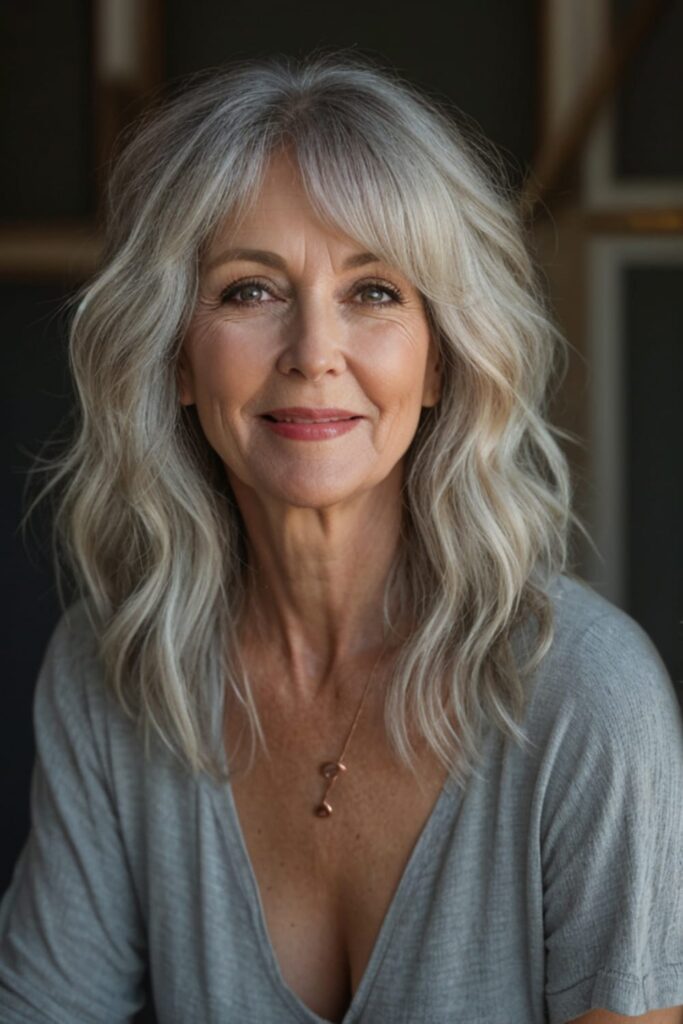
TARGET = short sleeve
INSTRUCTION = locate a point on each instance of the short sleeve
(71, 934)
(612, 832)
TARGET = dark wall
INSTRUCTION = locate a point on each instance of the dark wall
(480, 56)
(36, 401)
(45, 111)
(649, 143)
(653, 314)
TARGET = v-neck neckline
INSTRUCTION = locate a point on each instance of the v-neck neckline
(449, 795)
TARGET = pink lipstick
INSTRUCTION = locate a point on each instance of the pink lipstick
(305, 424)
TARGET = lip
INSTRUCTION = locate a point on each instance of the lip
(313, 415)
(313, 430)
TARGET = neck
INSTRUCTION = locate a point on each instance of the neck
(316, 584)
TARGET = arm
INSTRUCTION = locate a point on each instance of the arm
(674, 1015)
(612, 834)
(71, 931)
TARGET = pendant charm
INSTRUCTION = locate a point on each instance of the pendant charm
(323, 810)
(331, 769)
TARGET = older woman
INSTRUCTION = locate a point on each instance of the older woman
(318, 518)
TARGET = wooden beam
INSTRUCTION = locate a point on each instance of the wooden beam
(67, 252)
(558, 152)
(631, 222)
(128, 70)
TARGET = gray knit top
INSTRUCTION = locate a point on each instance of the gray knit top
(551, 884)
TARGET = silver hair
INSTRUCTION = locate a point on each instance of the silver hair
(145, 516)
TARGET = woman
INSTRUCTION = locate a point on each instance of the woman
(319, 522)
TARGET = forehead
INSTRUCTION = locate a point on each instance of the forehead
(279, 201)
(281, 190)
(280, 217)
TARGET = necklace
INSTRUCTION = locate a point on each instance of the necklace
(332, 770)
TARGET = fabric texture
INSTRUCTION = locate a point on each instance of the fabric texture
(552, 884)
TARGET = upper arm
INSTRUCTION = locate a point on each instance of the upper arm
(71, 932)
(672, 1015)
(612, 835)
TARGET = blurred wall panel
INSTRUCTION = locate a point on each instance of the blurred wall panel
(45, 97)
(648, 137)
(480, 56)
(36, 399)
(653, 370)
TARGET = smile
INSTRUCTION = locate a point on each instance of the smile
(302, 419)
(310, 430)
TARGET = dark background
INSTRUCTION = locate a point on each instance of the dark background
(485, 58)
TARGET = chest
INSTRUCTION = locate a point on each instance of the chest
(326, 884)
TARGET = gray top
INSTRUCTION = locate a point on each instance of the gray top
(551, 885)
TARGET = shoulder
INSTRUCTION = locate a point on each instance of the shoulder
(607, 813)
(581, 612)
(599, 651)
(70, 685)
(603, 677)
(74, 634)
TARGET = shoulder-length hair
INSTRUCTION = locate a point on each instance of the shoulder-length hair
(147, 520)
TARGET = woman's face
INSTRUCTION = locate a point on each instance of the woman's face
(305, 320)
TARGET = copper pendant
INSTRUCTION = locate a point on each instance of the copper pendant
(323, 810)
(331, 769)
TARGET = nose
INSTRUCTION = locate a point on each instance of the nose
(313, 339)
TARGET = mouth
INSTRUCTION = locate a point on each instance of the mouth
(301, 415)
(310, 424)
(303, 419)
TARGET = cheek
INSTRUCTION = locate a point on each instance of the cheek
(226, 368)
(395, 374)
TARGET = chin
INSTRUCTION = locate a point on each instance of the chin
(317, 490)
(314, 497)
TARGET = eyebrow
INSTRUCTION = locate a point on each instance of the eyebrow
(271, 259)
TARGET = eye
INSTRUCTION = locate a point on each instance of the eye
(241, 293)
(379, 287)
(245, 293)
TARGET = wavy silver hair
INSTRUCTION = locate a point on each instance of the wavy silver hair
(147, 520)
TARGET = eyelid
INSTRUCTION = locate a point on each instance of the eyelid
(368, 282)
(382, 284)
(242, 282)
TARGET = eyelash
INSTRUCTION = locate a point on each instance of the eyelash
(236, 286)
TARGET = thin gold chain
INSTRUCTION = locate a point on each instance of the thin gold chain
(331, 770)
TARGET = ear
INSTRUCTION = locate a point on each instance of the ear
(185, 380)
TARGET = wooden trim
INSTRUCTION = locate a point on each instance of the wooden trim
(122, 93)
(633, 222)
(559, 152)
(153, 47)
(541, 114)
(607, 257)
(67, 252)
